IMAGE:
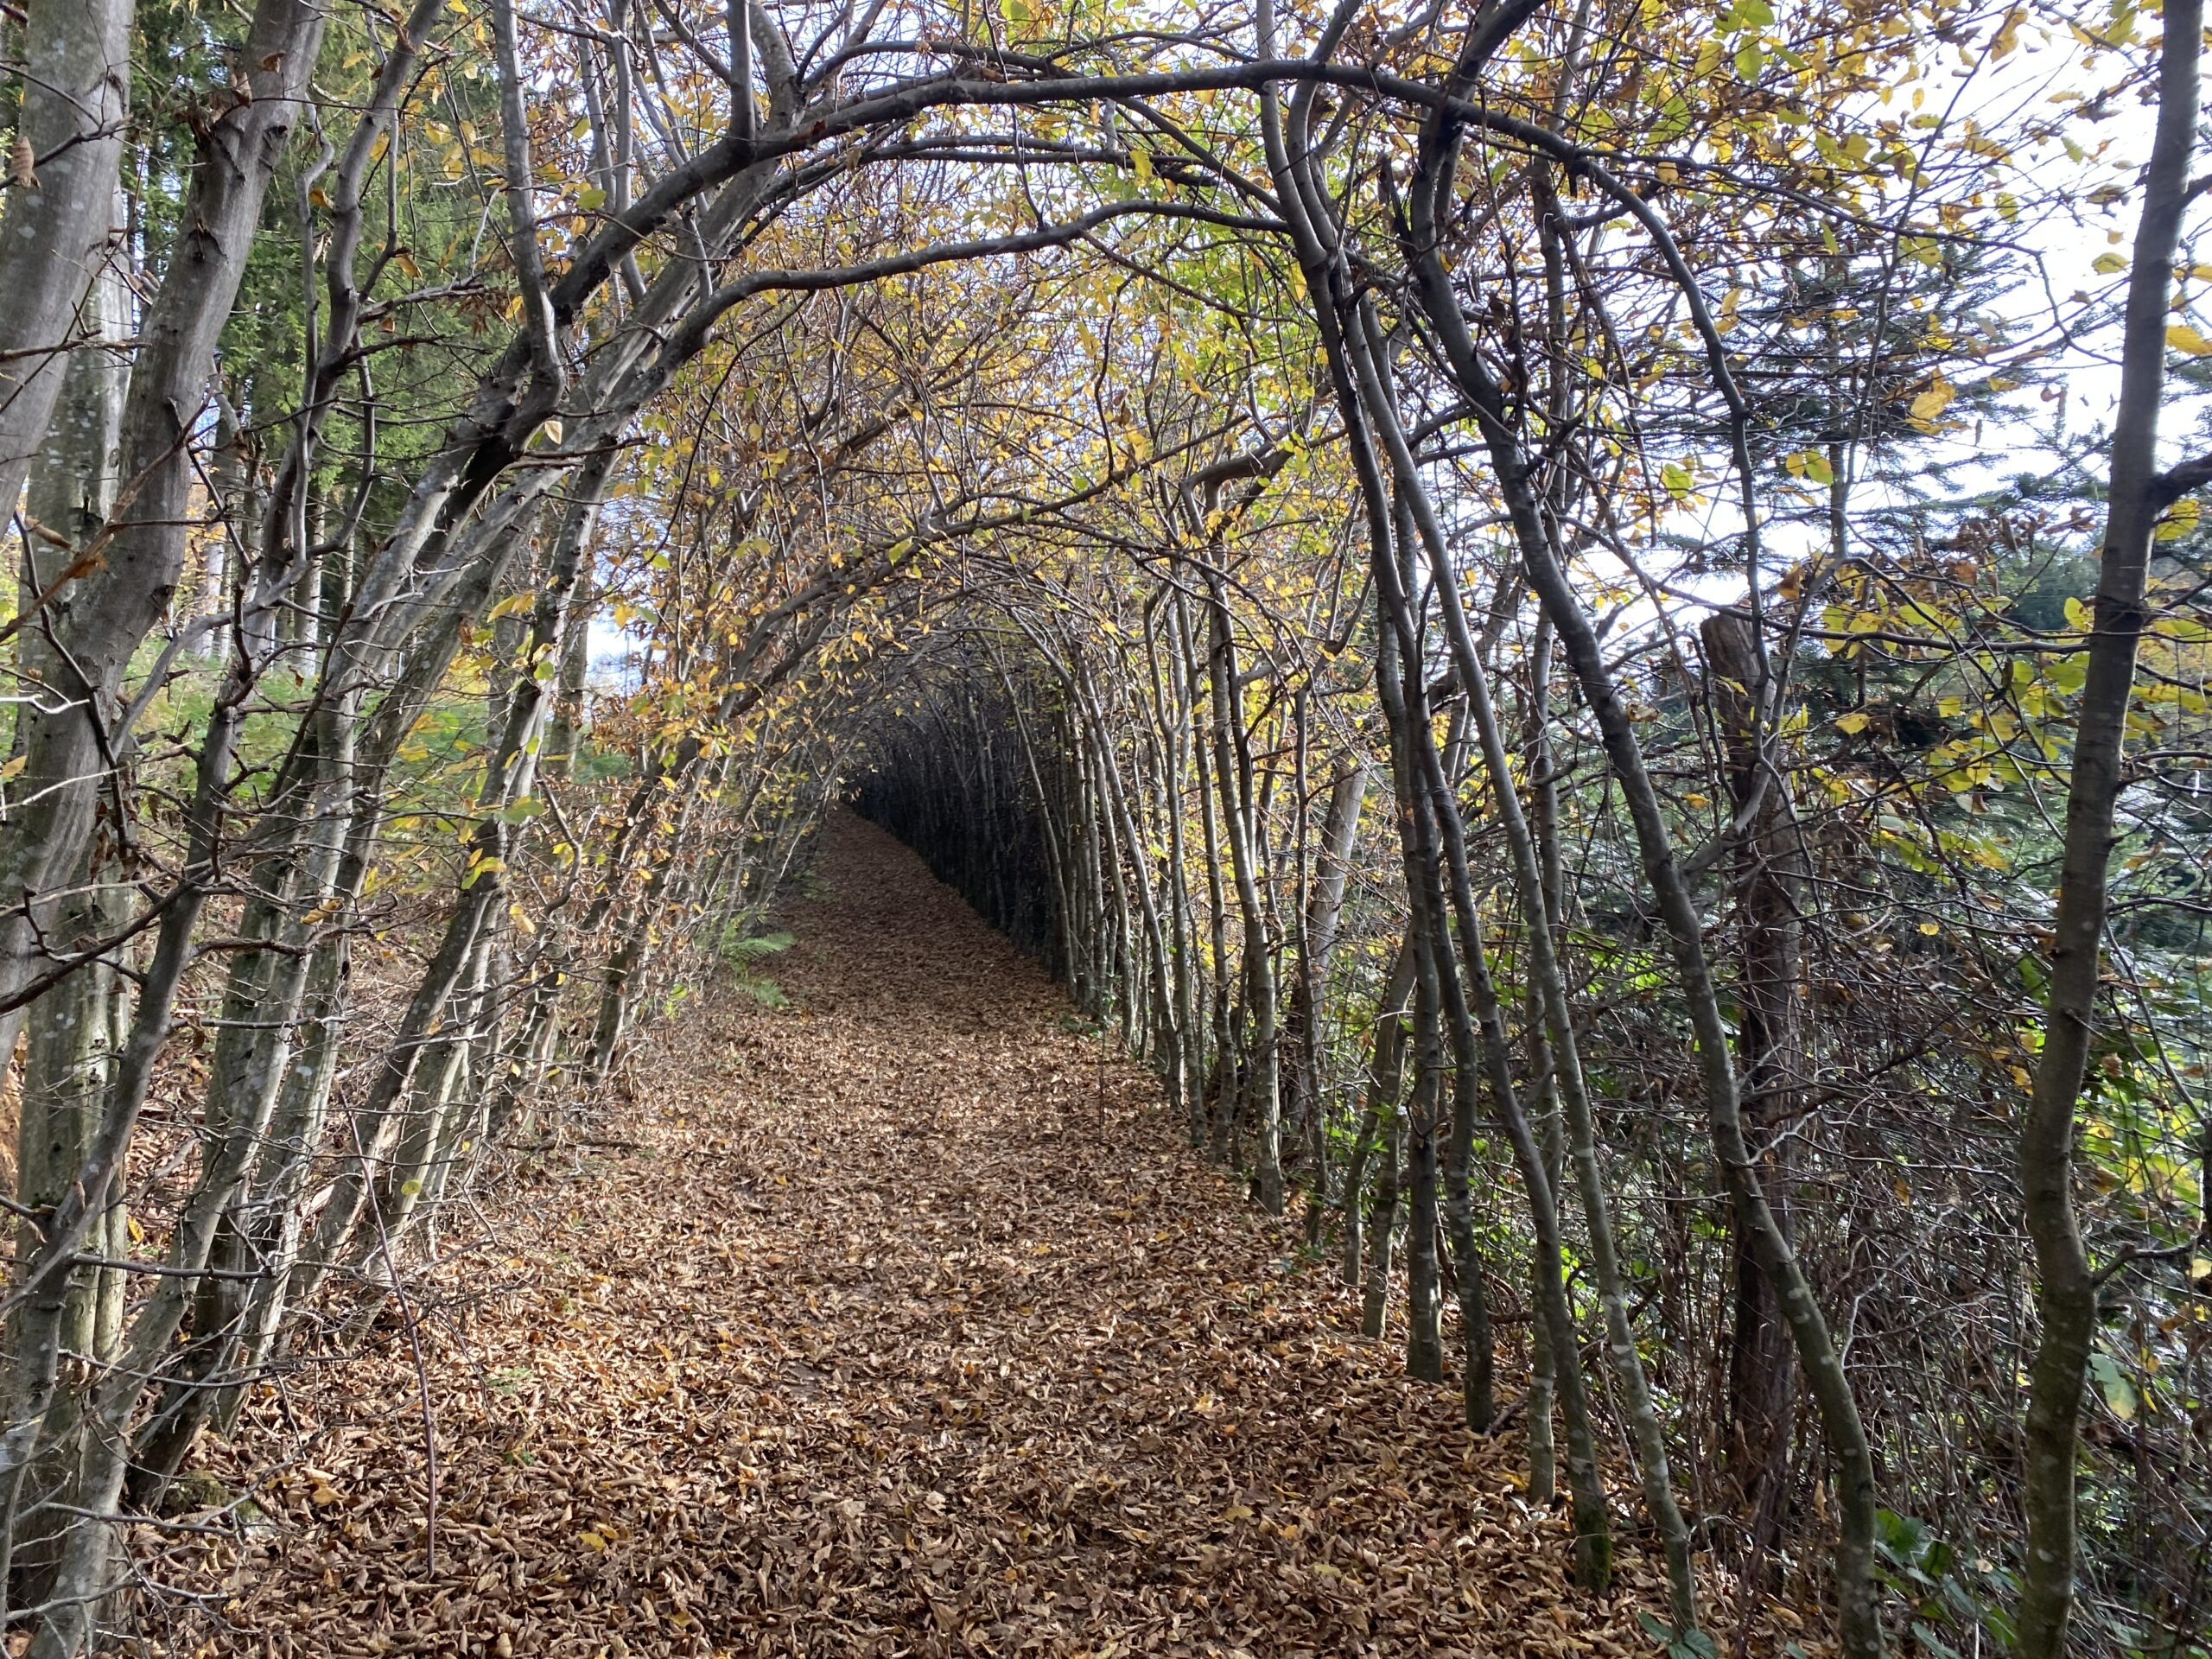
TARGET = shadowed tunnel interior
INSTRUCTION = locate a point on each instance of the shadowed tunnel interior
(956, 771)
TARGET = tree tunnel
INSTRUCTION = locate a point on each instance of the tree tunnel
(1305, 517)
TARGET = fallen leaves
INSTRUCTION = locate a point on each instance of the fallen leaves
(858, 1354)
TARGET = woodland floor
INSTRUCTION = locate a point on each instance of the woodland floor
(898, 1321)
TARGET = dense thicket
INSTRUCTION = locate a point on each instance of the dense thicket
(1587, 622)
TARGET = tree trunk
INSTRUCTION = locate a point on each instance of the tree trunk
(58, 232)
(1383, 1225)
(1240, 819)
(1770, 874)
(1545, 973)
(2066, 1289)
(1317, 944)
(97, 623)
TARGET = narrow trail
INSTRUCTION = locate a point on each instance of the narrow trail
(903, 1324)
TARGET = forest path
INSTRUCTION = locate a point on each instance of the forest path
(908, 1326)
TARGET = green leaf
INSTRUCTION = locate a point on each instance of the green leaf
(2118, 1388)
(1679, 1645)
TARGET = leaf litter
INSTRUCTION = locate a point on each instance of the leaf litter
(901, 1321)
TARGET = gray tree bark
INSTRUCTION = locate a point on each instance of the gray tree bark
(57, 229)
(83, 644)
(2066, 1289)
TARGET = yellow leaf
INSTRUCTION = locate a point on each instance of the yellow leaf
(2182, 338)
(1140, 162)
(14, 766)
(1937, 399)
(591, 1541)
(1854, 723)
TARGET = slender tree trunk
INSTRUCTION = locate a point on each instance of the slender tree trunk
(1242, 821)
(1224, 1044)
(1383, 1225)
(1386, 1077)
(98, 621)
(1324, 910)
(1770, 874)
(1169, 714)
(1840, 1418)
(2066, 1288)
(1544, 970)
(1543, 1455)
(67, 1069)
(57, 232)
(1424, 1331)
